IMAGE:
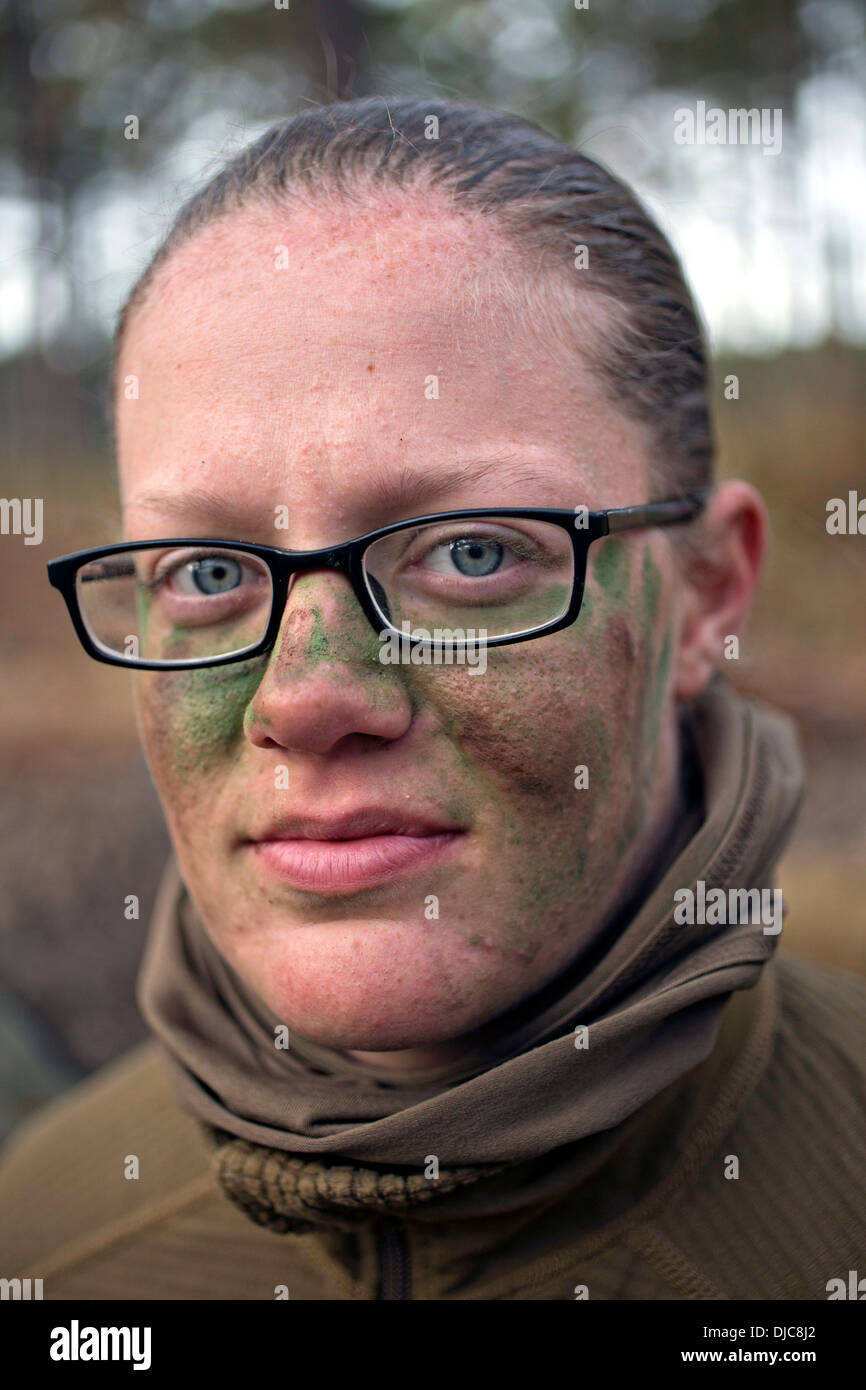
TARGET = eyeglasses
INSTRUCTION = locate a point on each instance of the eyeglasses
(450, 579)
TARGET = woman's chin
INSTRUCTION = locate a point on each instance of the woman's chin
(379, 1026)
(361, 1004)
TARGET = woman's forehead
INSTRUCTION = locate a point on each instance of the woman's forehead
(332, 278)
(268, 370)
(325, 245)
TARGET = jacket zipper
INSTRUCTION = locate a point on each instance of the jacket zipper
(396, 1270)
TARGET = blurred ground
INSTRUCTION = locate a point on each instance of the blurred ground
(80, 827)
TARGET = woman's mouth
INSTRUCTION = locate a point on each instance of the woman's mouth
(349, 865)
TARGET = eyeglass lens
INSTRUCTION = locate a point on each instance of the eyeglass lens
(503, 575)
(500, 575)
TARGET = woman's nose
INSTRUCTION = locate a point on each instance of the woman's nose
(324, 679)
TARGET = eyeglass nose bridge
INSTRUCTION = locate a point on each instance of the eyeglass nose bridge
(334, 557)
(346, 559)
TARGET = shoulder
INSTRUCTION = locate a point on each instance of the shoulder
(812, 1093)
(825, 1009)
(108, 1193)
(114, 1149)
(779, 1209)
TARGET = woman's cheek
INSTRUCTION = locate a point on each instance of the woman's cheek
(192, 726)
(561, 734)
(534, 736)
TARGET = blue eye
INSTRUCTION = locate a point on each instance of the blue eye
(207, 576)
(214, 574)
(476, 558)
(184, 578)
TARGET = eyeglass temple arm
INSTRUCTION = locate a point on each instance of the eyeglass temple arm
(657, 513)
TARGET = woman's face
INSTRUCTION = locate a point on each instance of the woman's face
(286, 362)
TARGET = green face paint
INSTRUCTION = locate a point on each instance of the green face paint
(660, 680)
(197, 716)
(347, 639)
(532, 610)
(347, 636)
(143, 607)
(534, 877)
(652, 582)
(320, 644)
(496, 754)
(611, 568)
(596, 747)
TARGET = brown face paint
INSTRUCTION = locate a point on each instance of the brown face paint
(508, 751)
(507, 745)
(649, 689)
(197, 717)
(539, 866)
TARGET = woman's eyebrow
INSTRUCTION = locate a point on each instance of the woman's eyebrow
(192, 503)
(384, 494)
(394, 494)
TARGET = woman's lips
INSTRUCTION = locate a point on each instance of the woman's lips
(334, 866)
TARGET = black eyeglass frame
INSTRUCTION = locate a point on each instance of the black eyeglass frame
(348, 558)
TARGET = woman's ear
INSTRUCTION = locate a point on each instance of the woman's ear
(719, 573)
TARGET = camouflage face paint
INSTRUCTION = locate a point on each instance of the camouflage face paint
(195, 718)
(645, 728)
(538, 866)
(591, 678)
(346, 639)
(612, 568)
